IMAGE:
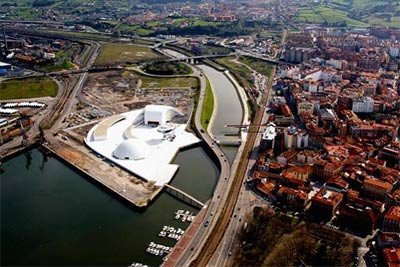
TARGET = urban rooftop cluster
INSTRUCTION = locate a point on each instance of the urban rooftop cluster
(331, 149)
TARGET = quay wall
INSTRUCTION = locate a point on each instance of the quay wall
(98, 181)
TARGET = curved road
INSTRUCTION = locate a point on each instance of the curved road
(213, 207)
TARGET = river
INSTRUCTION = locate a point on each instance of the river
(228, 108)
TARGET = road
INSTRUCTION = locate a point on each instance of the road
(246, 199)
(68, 88)
(220, 194)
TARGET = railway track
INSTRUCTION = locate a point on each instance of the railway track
(227, 212)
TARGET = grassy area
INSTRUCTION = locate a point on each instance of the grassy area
(62, 61)
(393, 22)
(357, 13)
(146, 30)
(194, 22)
(112, 53)
(168, 68)
(330, 16)
(27, 88)
(258, 65)
(208, 106)
(65, 65)
(151, 82)
(78, 35)
(241, 72)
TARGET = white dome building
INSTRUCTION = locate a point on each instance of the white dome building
(132, 149)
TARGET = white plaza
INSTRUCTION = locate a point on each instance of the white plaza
(142, 141)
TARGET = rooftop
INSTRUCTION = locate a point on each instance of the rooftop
(393, 213)
(327, 197)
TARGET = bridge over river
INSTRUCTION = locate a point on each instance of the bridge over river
(184, 196)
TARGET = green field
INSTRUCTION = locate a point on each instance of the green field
(114, 53)
(194, 22)
(138, 29)
(79, 35)
(394, 21)
(241, 72)
(168, 83)
(208, 106)
(62, 61)
(258, 65)
(322, 14)
(27, 88)
(357, 13)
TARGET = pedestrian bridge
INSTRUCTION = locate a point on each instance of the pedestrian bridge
(195, 58)
(184, 196)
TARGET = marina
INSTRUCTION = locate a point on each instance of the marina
(184, 216)
(171, 232)
(158, 249)
(137, 264)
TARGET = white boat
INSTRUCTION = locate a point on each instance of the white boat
(162, 234)
(179, 211)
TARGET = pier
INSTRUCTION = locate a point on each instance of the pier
(138, 192)
(184, 196)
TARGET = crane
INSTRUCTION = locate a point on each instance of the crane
(23, 133)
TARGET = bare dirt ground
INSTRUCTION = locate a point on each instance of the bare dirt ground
(102, 95)
(121, 182)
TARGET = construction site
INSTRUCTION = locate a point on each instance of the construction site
(104, 94)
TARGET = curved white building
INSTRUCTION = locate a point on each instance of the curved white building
(142, 141)
(132, 149)
(159, 115)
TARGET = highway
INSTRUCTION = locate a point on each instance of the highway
(76, 87)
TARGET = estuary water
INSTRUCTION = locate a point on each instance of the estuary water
(53, 215)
